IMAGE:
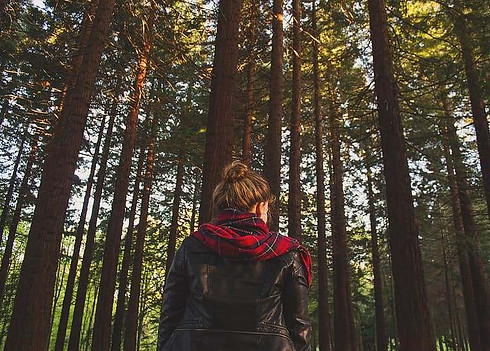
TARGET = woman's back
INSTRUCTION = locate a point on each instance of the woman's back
(230, 305)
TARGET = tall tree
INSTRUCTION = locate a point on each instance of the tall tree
(221, 113)
(381, 339)
(324, 313)
(294, 204)
(29, 327)
(132, 313)
(70, 283)
(103, 314)
(462, 250)
(412, 310)
(83, 280)
(481, 288)
(272, 152)
(476, 96)
(247, 125)
(128, 245)
(344, 331)
(174, 225)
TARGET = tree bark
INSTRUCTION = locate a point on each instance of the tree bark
(10, 190)
(381, 340)
(83, 280)
(272, 152)
(195, 196)
(247, 125)
(344, 333)
(103, 314)
(70, 283)
(479, 280)
(476, 98)
(128, 243)
(221, 114)
(464, 268)
(83, 37)
(132, 313)
(7, 254)
(324, 313)
(294, 203)
(29, 327)
(448, 290)
(412, 310)
(174, 226)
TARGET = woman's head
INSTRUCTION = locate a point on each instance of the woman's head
(241, 188)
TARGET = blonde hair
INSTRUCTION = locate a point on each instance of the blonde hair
(241, 188)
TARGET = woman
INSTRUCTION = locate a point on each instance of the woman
(233, 285)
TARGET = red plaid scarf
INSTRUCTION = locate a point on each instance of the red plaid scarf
(244, 236)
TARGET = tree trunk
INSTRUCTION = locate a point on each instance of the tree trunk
(103, 314)
(294, 203)
(247, 128)
(29, 328)
(221, 114)
(65, 310)
(128, 243)
(344, 337)
(481, 289)
(195, 196)
(132, 313)
(272, 152)
(477, 104)
(381, 340)
(83, 280)
(10, 190)
(448, 290)
(324, 313)
(412, 311)
(83, 37)
(174, 226)
(7, 254)
(464, 268)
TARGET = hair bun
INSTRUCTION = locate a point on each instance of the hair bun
(235, 171)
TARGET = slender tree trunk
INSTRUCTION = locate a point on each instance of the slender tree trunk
(7, 254)
(464, 268)
(413, 317)
(132, 313)
(10, 190)
(479, 280)
(343, 331)
(294, 203)
(65, 310)
(195, 196)
(83, 280)
(448, 289)
(128, 243)
(103, 314)
(477, 103)
(324, 313)
(3, 112)
(29, 327)
(174, 226)
(247, 128)
(272, 152)
(381, 340)
(220, 129)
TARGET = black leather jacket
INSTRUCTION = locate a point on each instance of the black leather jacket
(213, 304)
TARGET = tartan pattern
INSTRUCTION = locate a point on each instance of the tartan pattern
(243, 236)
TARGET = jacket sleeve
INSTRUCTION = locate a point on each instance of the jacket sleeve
(175, 294)
(296, 305)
